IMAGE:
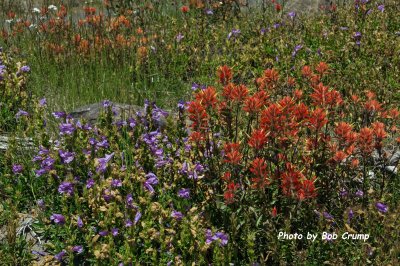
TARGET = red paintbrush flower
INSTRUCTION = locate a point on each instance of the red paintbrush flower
(258, 139)
(224, 74)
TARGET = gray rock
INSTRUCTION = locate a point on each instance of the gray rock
(92, 112)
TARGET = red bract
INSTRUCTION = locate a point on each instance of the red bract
(232, 154)
(207, 97)
(274, 212)
(365, 141)
(306, 71)
(198, 115)
(259, 170)
(196, 137)
(322, 68)
(269, 79)
(239, 93)
(224, 74)
(185, 9)
(318, 119)
(252, 105)
(290, 181)
(307, 189)
(258, 139)
(322, 96)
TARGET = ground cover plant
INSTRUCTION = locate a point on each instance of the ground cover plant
(286, 125)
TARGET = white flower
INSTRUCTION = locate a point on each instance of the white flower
(33, 26)
(52, 7)
(36, 10)
(9, 21)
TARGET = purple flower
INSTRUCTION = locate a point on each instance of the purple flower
(103, 143)
(103, 233)
(209, 236)
(107, 196)
(151, 180)
(59, 115)
(66, 156)
(129, 202)
(66, 188)
(222, 237)
(177, 215)
(328, 216)
(357, 37)
(90, 183)
(66, 129)
(21, 113)
(114, 231)
(381, 8)
(209, 12)
(381, 207)
(234, 33)
(359, 193)
(184, 193)
(292, 14)
(116, 183)
(40, 203)
(351, 215)
(77, 249)
(179, 37)
(296, 49)
(42, 102)
(40, 172)
(25, 69)
(17, 168)
(79, 222)
(102, 162)
(106, 103)
(137, 217)
(128, 223)
(60, 255)
(58, 218)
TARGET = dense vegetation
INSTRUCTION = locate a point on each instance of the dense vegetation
(280, 121)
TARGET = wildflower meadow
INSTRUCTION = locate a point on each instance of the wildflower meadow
(199, 132)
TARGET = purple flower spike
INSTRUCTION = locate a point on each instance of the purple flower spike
(66, 156)
(59, 115)
(151, 180)
(222, 237)
(103, 162)
(103, 233)
(292, 14)
(58, 218)
(42, 102)
(25, 69)
(137, 217)
(21, 113)
(79, 222)
(381, 8)
(60, 255)
(89, 183)
(66, 188)
(128, 223)
(77, 249)
(177, 215)
(381, 207)
(114, 231)
(66, 129)
(328, 216)
(184, 193)
(116, 183)
(17, 168)
(106, 103)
